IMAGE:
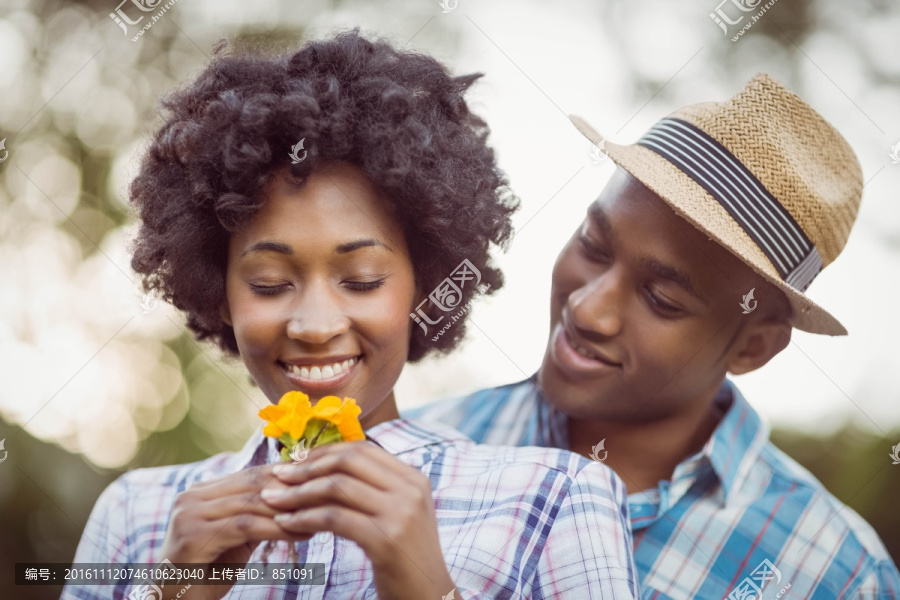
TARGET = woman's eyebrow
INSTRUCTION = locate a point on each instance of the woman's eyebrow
(357, 244)
(270, 246)
(282, 248)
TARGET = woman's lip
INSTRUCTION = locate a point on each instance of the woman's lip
(321, 385)
(568, 359)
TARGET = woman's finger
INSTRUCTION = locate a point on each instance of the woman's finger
(204, 541)
(250, 479)
(363, 461)
(243, 528)
(337, 488)
(249, 502)
(339, 520)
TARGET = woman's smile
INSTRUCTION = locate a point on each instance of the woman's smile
(325, 375)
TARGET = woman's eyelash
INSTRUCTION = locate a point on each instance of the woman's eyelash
(364, 286)
(266, 290)
(356, 286)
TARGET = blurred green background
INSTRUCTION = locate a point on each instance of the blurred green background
(96, 379)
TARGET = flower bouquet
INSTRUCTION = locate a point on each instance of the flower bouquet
(300, 426)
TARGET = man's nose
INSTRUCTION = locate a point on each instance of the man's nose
(317, 315)
(597, 306)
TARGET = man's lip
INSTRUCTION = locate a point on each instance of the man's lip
(575, 340)
(568, 360)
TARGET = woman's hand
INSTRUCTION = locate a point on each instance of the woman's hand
(360, 492)
(221, 521)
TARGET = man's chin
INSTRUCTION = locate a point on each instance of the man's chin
(565, 396)
(570, 398)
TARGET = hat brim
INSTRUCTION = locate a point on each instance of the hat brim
(699, 208)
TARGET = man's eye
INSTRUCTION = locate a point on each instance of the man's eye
(593, 251)
(662, 305)
(266, 290)
(363, 286)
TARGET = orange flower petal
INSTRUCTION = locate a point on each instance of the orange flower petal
(347, 421)
(294, 400)
(348, 410)
(272, 412)
(297, 426)
(351, 430)
(326, 408)
(272, 430)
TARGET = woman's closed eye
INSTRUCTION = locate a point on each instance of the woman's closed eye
(350, 284)
(266, 290)
(364, 286)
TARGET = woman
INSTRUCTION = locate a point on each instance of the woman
(300, 209)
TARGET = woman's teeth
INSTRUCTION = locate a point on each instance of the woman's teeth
(323, 372)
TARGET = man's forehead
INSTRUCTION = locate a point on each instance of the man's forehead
(625, 195)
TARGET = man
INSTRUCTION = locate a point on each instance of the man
(693, 263)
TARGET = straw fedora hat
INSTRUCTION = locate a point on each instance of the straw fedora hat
(761, 173)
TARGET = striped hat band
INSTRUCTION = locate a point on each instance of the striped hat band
(758, 212)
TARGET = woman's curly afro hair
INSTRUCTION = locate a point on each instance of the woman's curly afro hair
(399, 116)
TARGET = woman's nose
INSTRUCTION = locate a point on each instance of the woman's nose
(317, 316)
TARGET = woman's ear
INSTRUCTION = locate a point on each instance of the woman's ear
(225, 312)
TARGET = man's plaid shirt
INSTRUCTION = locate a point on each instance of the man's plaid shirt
(739, 520)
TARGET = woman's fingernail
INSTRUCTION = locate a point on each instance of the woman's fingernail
(282, 516)
(272, 494)
(290, 470)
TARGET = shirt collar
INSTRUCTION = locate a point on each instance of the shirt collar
(731, 450)
(734, 446)
(259, 450)
(396, 436)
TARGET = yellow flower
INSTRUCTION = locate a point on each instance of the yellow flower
(290, 415)
(330, 420)
(343, 414)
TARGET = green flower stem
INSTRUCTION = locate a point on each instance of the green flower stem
(317, 433)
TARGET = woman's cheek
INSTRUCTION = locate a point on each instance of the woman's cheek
(255, 323)
(387, 316)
